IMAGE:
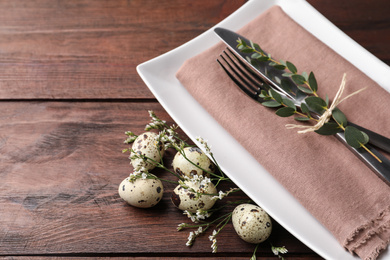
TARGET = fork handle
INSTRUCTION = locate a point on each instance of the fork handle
(376, 139)
(381, 169)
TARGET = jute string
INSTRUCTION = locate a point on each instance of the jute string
(328, 112)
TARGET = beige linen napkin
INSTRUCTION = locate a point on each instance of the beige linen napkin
(335, 186)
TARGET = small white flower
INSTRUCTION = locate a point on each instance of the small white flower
(280, 249)
(191, 238)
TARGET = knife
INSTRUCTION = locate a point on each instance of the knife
(272, 76)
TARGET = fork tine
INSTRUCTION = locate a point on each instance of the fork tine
(240, 76)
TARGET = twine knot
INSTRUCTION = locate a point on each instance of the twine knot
(325, 117)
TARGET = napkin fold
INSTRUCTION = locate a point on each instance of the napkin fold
(327, 179)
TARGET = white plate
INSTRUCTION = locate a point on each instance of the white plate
(238, 164)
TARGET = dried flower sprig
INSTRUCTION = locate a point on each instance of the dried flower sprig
(278, 251)
(306, 83)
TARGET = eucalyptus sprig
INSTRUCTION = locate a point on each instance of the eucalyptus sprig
(307, 83)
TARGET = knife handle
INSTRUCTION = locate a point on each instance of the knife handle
(376, 139)
(381, 169)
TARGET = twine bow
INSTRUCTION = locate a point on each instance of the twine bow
(328, 112)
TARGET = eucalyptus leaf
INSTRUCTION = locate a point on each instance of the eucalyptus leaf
(317, 104)
(279, 66)
(288, 102)
(251, 44)
(291, 67)
(287, 74)
(285, 111)
(257, 47)
(313, 82)
(263, 94)
(355, 137)
(246, 50)
(256, 55)
(366, 138)
(263, 58)
(339, 117)
(275, 95)
(271, 103)
(305, 109)
(304, 74)
(302, 118)
(329, 128)
(305, 90)
(298, 79)
(286, 85)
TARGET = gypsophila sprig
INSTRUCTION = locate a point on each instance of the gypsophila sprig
(330, 120)
(195, 186)
(131, 137)
(278, 250)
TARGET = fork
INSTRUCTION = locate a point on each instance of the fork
(251, 83)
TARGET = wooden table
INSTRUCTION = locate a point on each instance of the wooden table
(68, 92)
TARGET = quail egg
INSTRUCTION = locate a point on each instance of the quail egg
(186, 198)
(146, 144)
(251, 223)
(141, 193)
(185, 168)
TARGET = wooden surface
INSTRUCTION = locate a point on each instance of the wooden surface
(68, 92)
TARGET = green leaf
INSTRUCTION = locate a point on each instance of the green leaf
(279, 66)
(240, 41)
(302, 118)
(285, 111)
(286, 85)
(366, 138)
(251, 44)
(355, 137)
(263, 58)
(263, 94)
(271, 103)
(304, 74)
(255, 55)
(257, 47)
(298, 79)
(313, 82)
(317, 104)
(275, 95)
(289, 103)
(287, 74)
(329, 128)
(339, 117)
(305, 90)
(291, 67)
(246, 50)
(305, 109)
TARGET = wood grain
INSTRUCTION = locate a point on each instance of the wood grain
(90, 49)
(61, 164)
(69, 90)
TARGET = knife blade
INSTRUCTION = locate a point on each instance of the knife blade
(290, 90)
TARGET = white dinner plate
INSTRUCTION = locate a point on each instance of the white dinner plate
(235, 161)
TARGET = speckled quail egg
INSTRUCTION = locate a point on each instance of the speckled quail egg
(146, 144)
(186, 199)
(251, 223)
(141, 193)
(185, 168)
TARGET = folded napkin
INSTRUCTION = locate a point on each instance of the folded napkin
(327, 179)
